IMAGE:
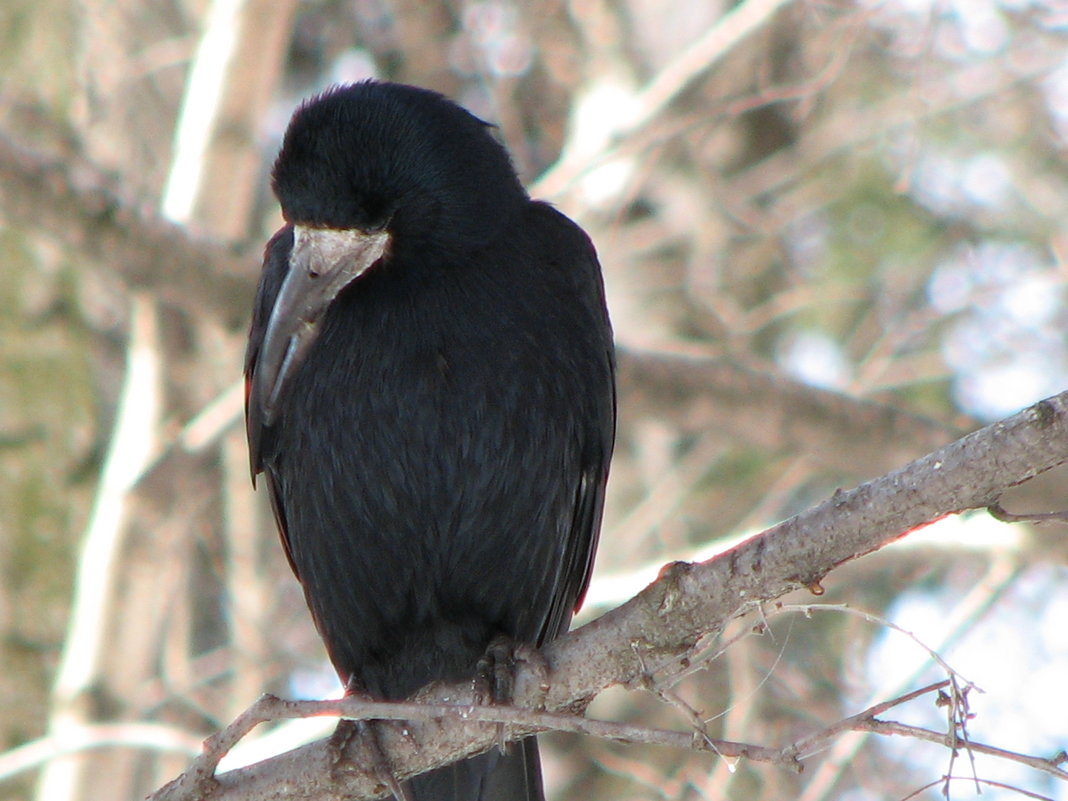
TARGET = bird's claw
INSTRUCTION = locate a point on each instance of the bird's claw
(495, 672)
(373, 759)
(497, 676)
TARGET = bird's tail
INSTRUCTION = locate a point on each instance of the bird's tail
(487, 777)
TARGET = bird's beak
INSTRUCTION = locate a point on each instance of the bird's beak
(322, 263)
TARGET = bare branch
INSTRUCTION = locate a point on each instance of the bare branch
(78, 206)
(719, 40)
(945, 780)
(1049, 765)
(998, 512)
(76, 739)
(866, 438)
(666, 620)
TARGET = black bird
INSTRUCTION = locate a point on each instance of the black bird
(430, 397)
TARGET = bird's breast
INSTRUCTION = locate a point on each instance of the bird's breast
(423, 455)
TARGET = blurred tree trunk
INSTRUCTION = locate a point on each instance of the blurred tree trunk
(160, 606)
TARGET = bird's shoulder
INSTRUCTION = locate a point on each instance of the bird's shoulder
(560, 239)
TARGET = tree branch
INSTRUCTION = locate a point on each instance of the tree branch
(852, 435)
(1052, 766)
(84, 210)
(651, 637)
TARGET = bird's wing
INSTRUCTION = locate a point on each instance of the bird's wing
(581, 545)
(260, 441)
(597, 413)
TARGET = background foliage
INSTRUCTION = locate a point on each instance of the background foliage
(866, 197)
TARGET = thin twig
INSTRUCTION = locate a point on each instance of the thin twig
(1048, 765)
(526, 721)
(806, 746)
(732, 28)
(882, 621)
(998, 512)
(77, 739)
(988, 782)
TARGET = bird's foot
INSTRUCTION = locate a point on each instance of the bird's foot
(371, 758)
(495, 672)
(499, 671)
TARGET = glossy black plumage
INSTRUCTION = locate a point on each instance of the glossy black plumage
(435, 421)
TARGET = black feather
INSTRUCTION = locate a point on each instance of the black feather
(438, 461)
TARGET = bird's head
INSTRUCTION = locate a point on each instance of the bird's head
(378, 156)
(371, 174)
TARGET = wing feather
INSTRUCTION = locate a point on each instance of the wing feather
(260, 439)
(596, 415)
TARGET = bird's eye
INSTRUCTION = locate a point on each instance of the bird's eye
(378, 225)
(313, 274)
(377, 213)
